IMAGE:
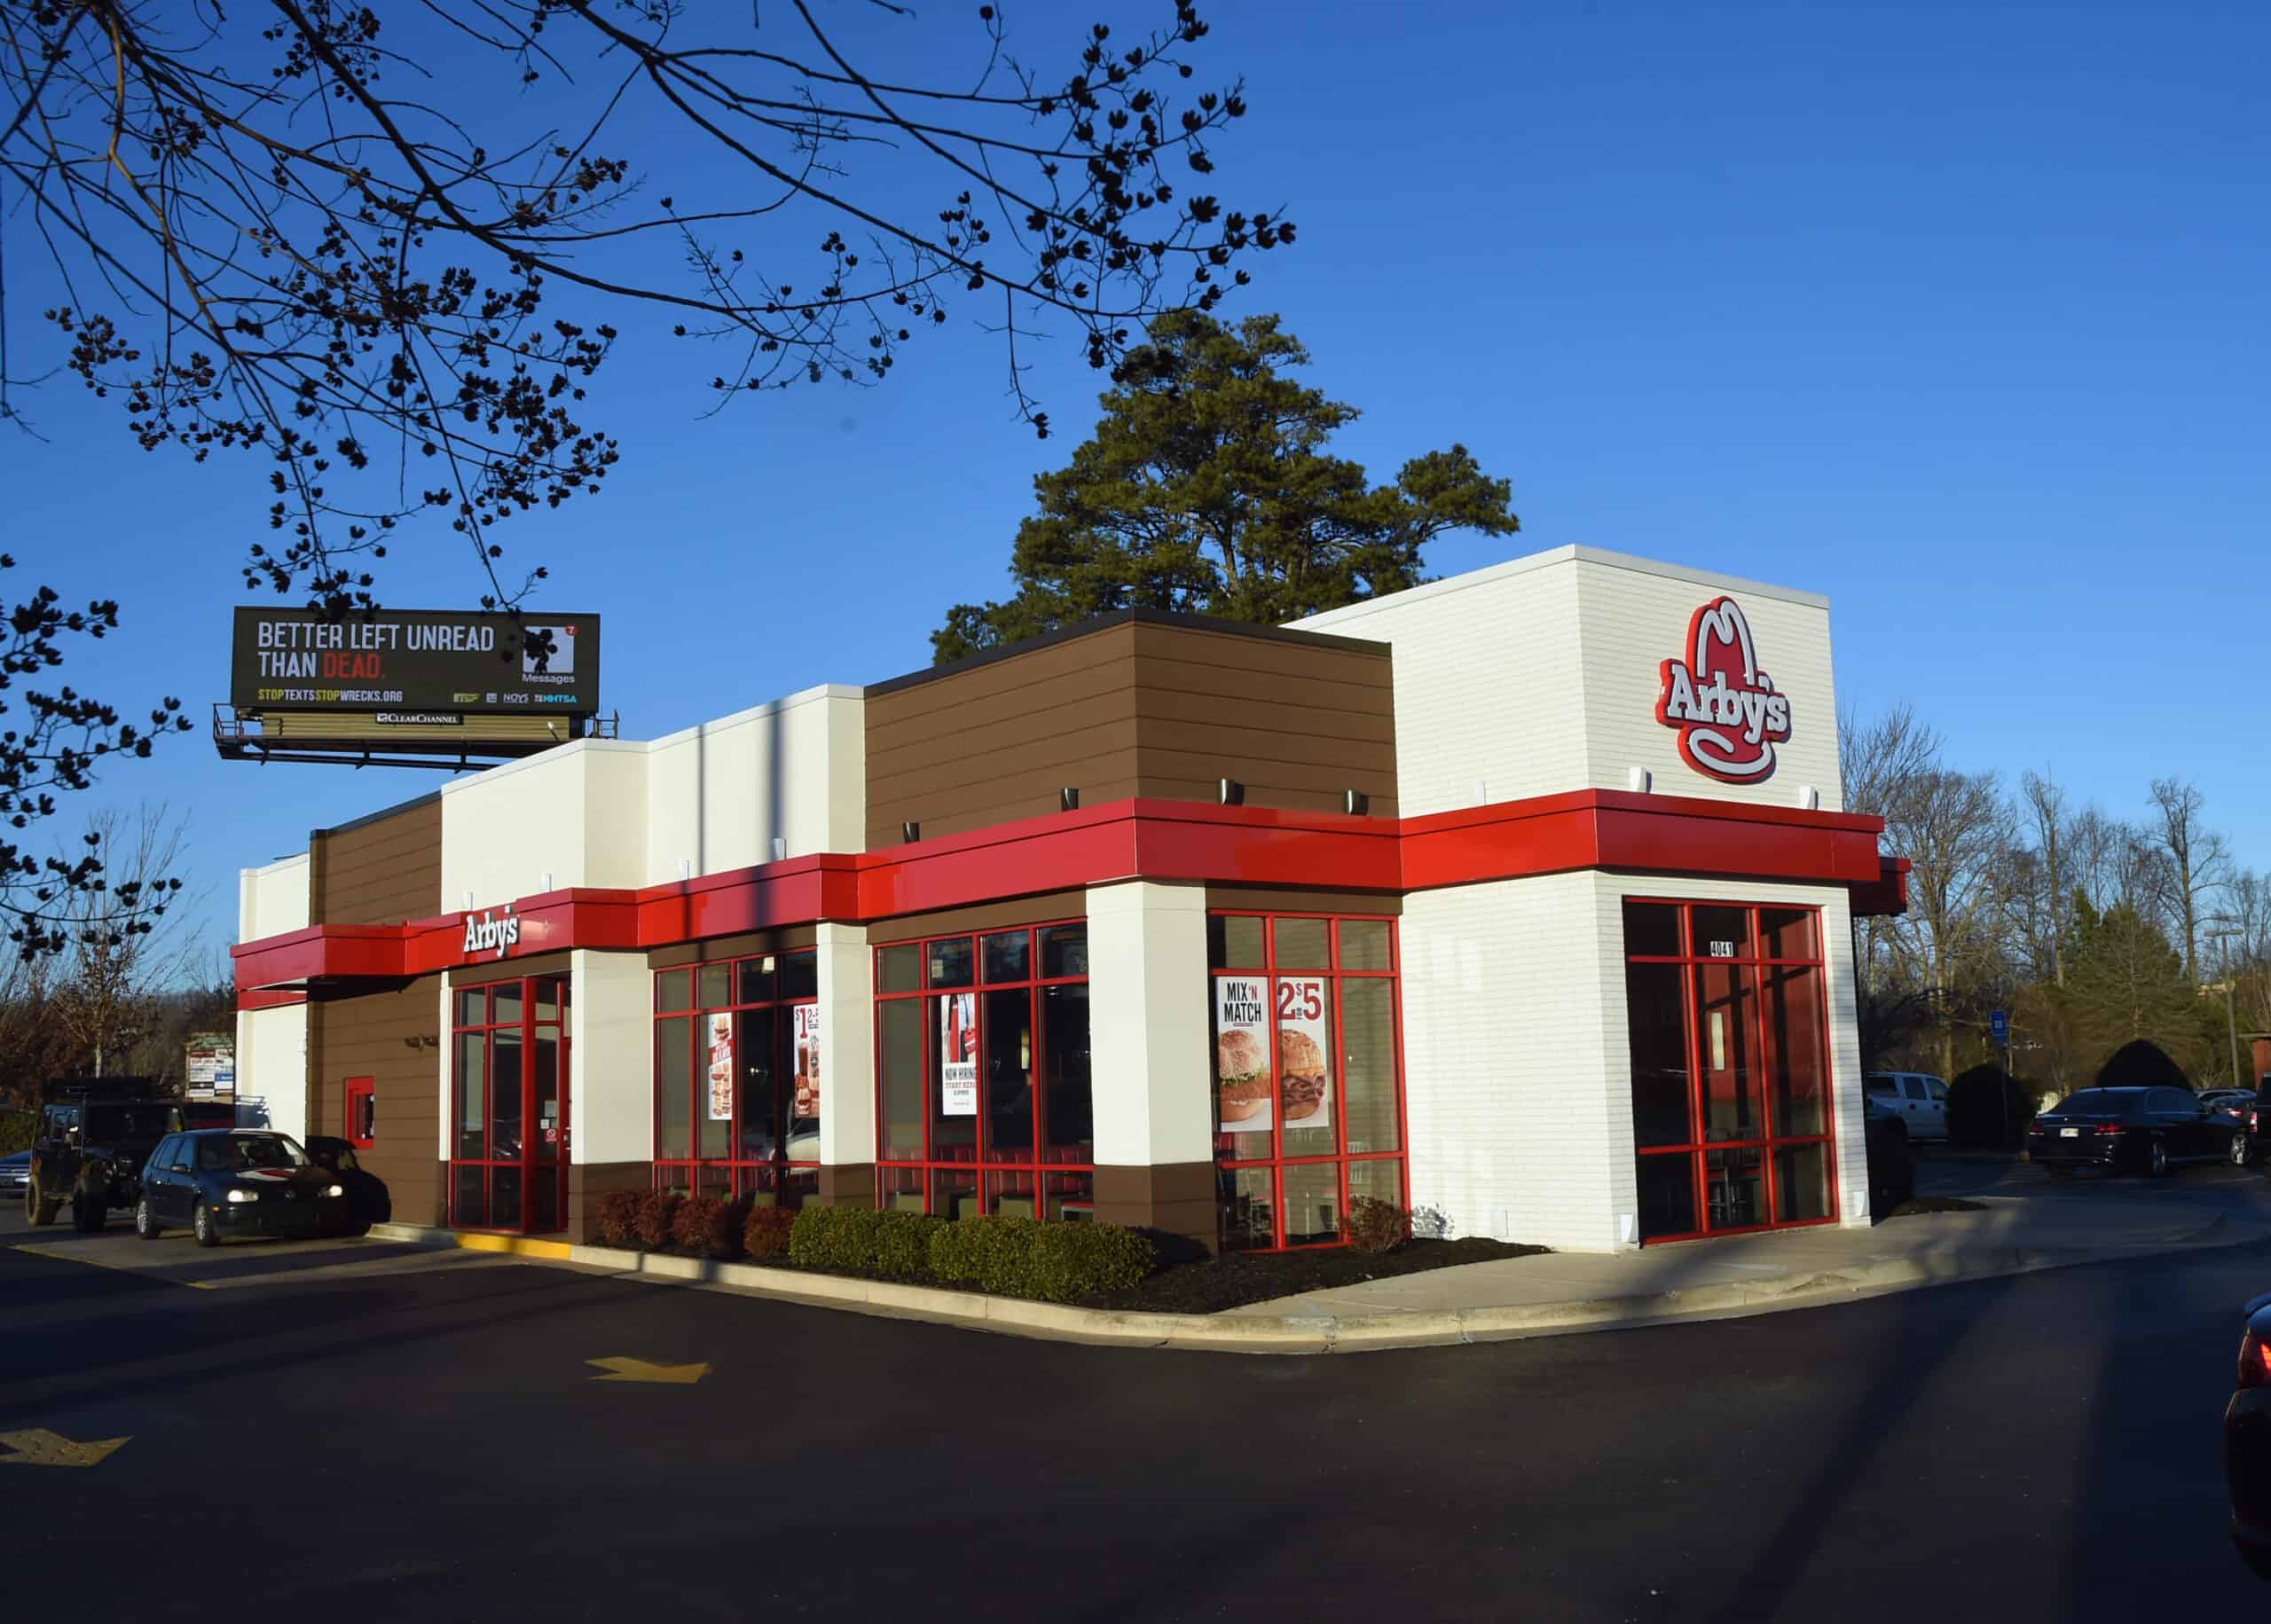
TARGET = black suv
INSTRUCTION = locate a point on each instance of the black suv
(94, 1135)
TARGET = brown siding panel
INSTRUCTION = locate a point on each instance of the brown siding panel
(384, 871)
(392, 1037)
(1137, 707)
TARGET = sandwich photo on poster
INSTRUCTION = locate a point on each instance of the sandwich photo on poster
(958, 1054)
(721, 1068)
(1304, 1040)
(1241, 1055)
(807, 1072)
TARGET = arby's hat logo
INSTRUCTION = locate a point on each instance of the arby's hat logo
(1729, 717)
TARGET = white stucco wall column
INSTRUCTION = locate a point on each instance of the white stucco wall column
(847, 1045)
(1147, 1017)
(273, 1068)
(611, 1068)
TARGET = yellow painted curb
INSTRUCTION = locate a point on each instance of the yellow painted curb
(518, 1246)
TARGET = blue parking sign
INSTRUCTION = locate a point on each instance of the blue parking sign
(1998, 1026)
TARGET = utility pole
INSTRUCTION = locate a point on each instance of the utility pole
(2231, 1020)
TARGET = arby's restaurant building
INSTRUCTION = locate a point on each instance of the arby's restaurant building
(1522, 898)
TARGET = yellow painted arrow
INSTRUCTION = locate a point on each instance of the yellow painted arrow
(41, 1447)
(625, 1370)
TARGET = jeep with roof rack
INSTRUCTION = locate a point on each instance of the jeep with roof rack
(94, 1134)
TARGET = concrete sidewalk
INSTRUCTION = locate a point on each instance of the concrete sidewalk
(1747, 1274)
(1542, 1295)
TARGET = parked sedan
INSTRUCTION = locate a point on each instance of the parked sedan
(2255, 1137)
(2129, 1130)
(15, 1172)
(367, 1201)
(2247, 1441)
(222, 1182)
(2232, 1102)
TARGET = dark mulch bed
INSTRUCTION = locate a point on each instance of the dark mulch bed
(1914, 1205)
(1211, 1285)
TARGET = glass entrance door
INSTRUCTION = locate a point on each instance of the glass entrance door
(508, 1154)
(1730, 1068)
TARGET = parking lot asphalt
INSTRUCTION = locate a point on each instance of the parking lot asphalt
(387, 1433)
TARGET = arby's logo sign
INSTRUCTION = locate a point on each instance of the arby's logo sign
(1727, 712)
(483, 934)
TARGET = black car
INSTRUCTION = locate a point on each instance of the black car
(367, 1201)
(220, 1182)
(2129, 1130)
(2247, 1441)
(94, 1134)
(2256, 1127)
(1892, 1166)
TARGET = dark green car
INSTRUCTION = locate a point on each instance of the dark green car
(222, 1182)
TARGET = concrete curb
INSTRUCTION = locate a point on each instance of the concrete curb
(1254, 1333)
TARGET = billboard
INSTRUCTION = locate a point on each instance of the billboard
(415, 668)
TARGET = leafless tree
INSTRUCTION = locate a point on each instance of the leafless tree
(125, 942)
(1955, 830)
(375, 259)
(2193, 864)
(2044, 809)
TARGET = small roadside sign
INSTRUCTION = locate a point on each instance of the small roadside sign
(1998, 1026)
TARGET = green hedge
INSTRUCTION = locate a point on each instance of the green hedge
(842, 1238)
(903, 1244)
(1070, 1261)
(992, 1254)
(1056, 1263)
(1009, 1257)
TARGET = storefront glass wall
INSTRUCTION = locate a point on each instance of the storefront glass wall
(1308, 1074)
(509, 1149)
(984, 1099)
(1731, 1117)
(737, 1079)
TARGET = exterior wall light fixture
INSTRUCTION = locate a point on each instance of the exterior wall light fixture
(780, 848)
(910, 832)
(1639, 778)
(1356, 802)
(1068, 799)
(1232, 792)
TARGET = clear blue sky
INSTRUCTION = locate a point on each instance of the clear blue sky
(1955, 313)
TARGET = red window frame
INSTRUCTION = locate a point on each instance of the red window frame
(362, 1114)
(530, 1165)
(787, 1180)
(1226, 1163)
(1047, 1187)
(1767, 1142)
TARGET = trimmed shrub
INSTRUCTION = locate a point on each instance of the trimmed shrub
(657, 1213)
(764, 1233)
(903, 1244)
(1065, 1262)
(841, 1238)
(1377, 1226)
(1988, 1110)
(617, 1214)
(2142, 1063)
(993, 1254)
(710, 1227)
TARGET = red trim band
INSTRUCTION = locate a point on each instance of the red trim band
(1185, 841)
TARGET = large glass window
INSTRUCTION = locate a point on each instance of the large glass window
(738, 1075)
(984, 1102)
(1731, 1117)
(508, 1154)
(1308, 1086)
